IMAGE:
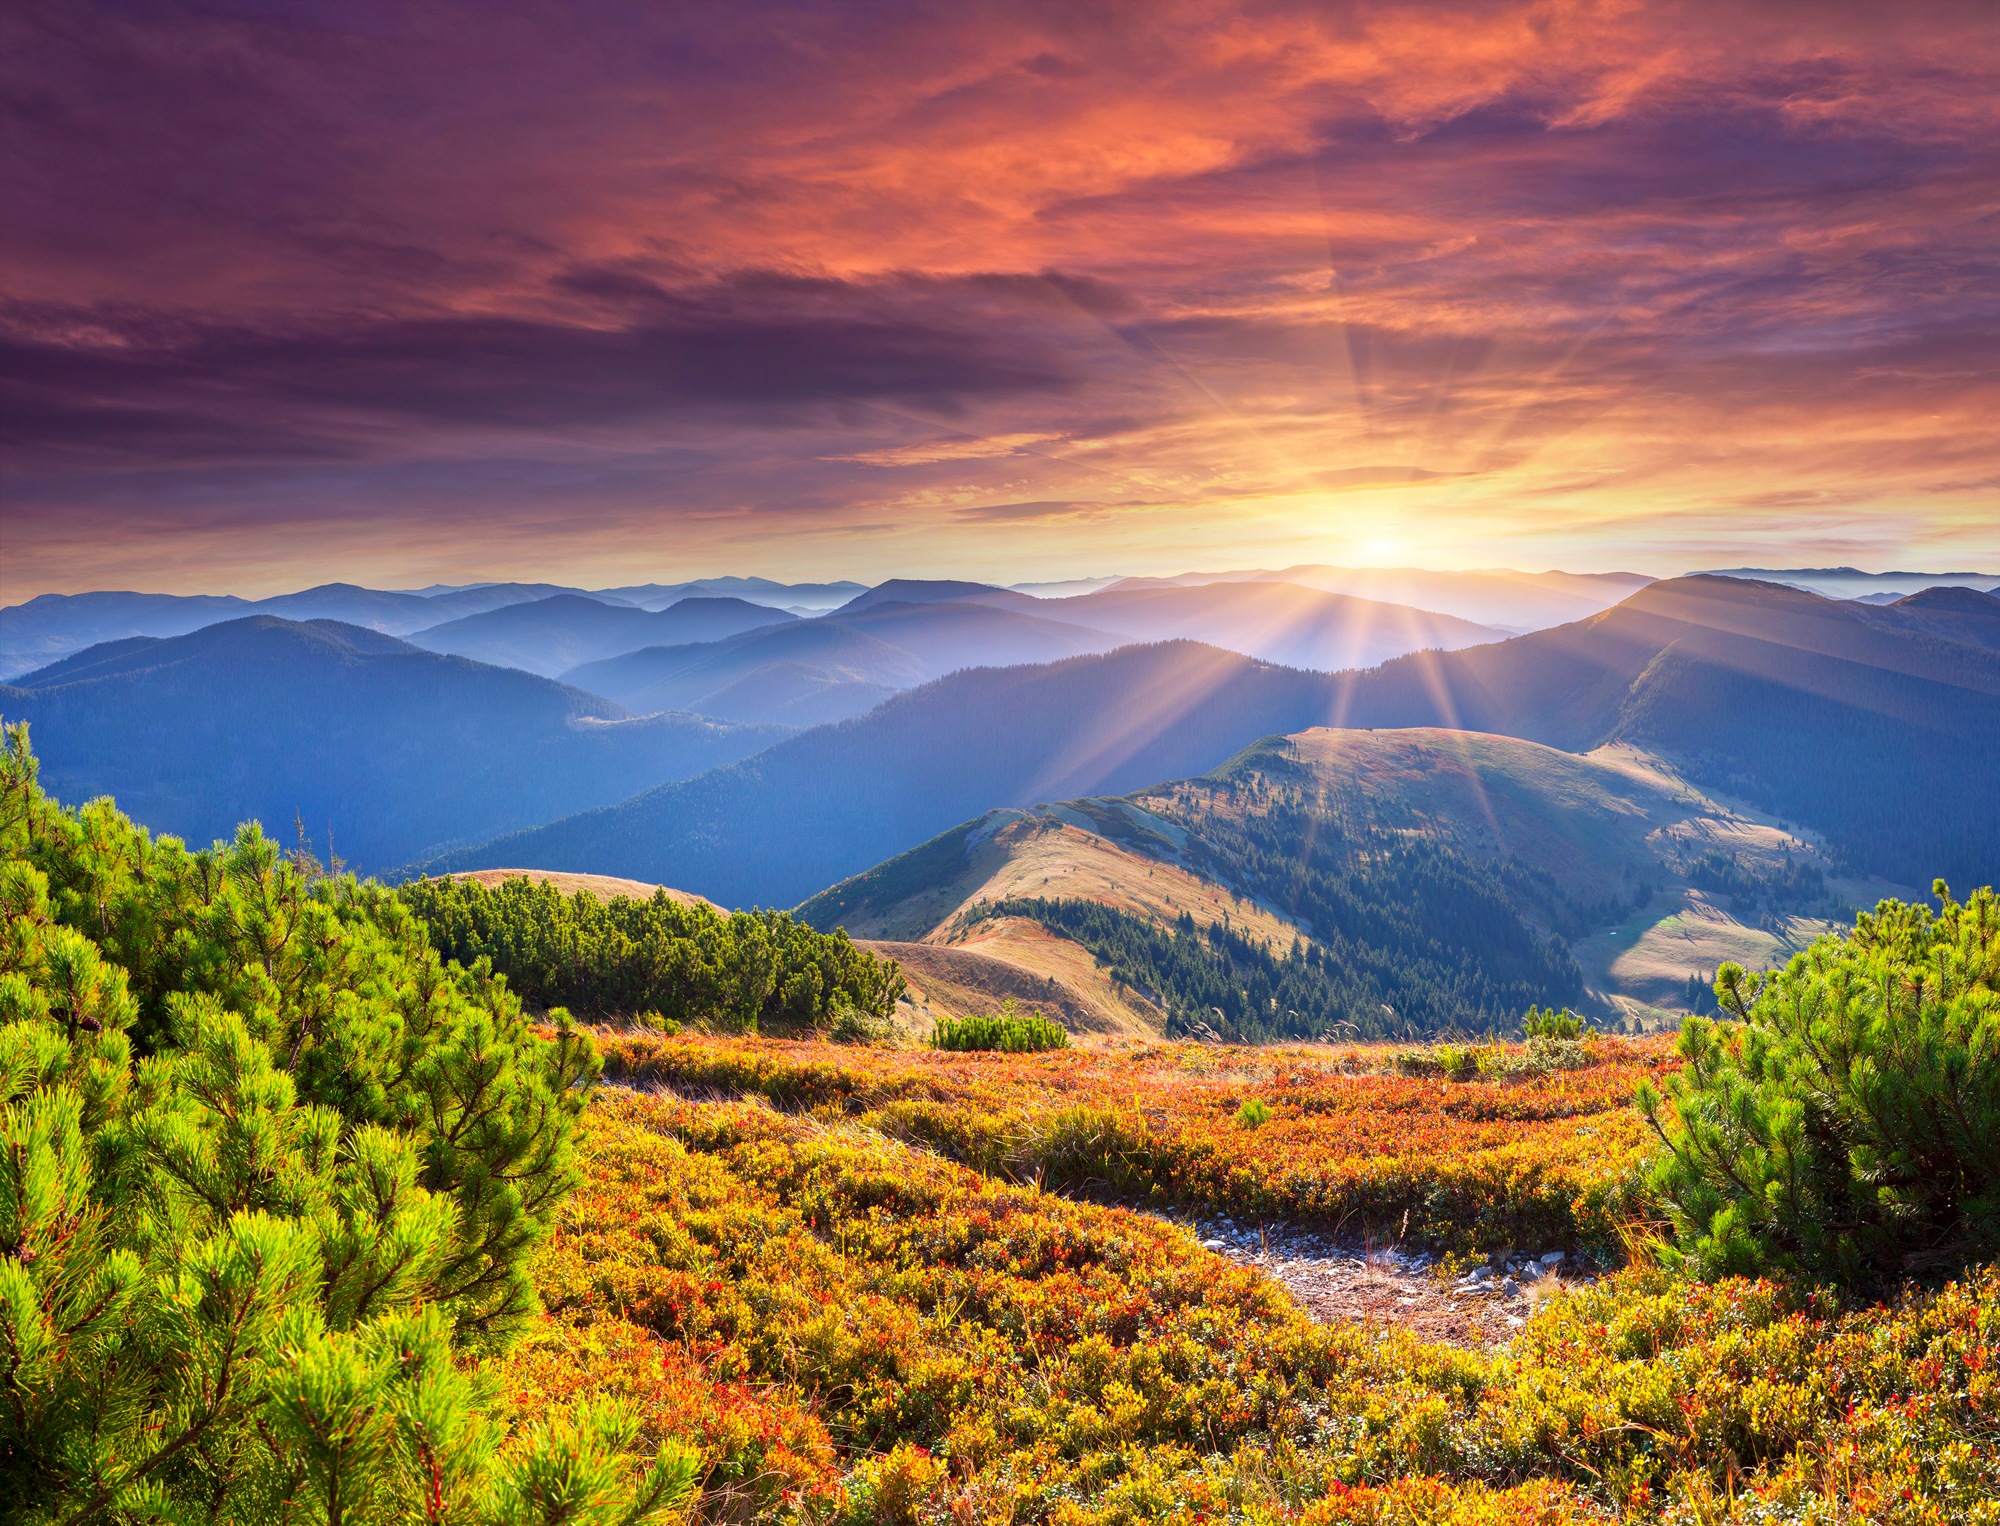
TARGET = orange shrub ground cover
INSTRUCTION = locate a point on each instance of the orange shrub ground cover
(855, 1329)
(1544, 1161)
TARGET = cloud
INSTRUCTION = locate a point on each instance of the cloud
(210, 391)
(1534, 278)
(932, 452)
(1047, 512)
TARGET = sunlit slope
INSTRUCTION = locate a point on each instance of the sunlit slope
(1092, 849)
(1088, 848)
(1012, 959)
(1877, 725)
(1649, 879)
(604, 887)
(1300, 838)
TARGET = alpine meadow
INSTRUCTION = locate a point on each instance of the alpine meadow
(807, 764)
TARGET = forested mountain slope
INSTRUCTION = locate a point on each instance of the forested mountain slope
(1859, 721)
(776, 828)
(1450, 877)
(399, 751)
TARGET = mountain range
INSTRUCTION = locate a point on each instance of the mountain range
(548, 636)
(906, 632)
(1864, 732)
(51, 626)
(1876, 726)
(397, 752)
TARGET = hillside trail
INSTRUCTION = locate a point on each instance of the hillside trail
(1338, 1282)
(1333, 1281)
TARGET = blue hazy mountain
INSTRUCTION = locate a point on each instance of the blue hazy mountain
(399, 751)
(1855, 721)
(549, 636)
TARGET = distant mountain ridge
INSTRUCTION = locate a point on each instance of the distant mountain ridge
(1279, 622)
(807, 673)
(50, 626)
(1859, 721)
(907, 632)
(398, 750)
(1851, 582)
(550, 636)
(1500, 596)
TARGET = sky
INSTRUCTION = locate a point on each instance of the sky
(612, 292)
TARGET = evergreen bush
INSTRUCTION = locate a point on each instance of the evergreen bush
(270, 1173)
(1843, 1119)
(740, 971)
(1010, 1031)
(1552, 1024)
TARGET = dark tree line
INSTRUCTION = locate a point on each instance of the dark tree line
(1796, 888)
(626, 957)
(1218, 982)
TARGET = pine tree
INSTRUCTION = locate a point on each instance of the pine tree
(269, 1175)
(1844, 1117)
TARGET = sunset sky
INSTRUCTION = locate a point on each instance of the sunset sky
(598, 293)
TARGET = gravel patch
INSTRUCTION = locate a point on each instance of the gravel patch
(1335, 1281)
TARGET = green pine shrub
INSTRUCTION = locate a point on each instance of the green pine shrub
(1010, 1031)
(1843, 1120)
(1254, 1113)
(1552, 1024)
(742, 971)
(270, 1173)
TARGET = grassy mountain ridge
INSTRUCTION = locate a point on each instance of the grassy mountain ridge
(1419, 859)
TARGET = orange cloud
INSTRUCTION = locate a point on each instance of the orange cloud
(993, 291)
